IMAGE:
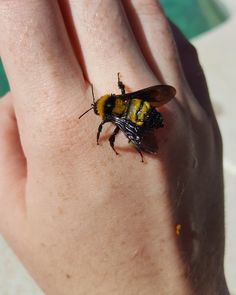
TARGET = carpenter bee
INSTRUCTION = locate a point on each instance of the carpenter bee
(134, 114)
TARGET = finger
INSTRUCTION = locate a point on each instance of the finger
(193, 70)
(110, 46)
(155, 38)
(12, 169)
(43, 73)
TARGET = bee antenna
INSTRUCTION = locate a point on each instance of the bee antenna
(93, 95)
(92, 104)
(86, 111)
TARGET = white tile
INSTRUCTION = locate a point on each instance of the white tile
(14, 280)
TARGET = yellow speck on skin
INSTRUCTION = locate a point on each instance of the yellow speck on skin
(178, 229)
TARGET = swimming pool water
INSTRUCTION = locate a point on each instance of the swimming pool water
(193, 17)
(4, 87)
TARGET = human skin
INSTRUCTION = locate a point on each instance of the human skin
(80, 218)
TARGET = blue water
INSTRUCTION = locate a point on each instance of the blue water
(193, 17)
(4, 87)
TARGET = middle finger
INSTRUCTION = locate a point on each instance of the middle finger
(109, 46)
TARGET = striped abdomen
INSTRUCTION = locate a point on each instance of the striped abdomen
(136, 110)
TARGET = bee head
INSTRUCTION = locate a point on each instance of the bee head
(104, 105)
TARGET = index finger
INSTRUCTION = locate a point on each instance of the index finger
(43, 73)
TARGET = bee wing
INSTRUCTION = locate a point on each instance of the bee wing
(149, 142)
(157, 95)
(144, 141)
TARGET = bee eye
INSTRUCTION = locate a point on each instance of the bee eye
(109, 104)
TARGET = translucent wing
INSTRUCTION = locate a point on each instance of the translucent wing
(157, 95)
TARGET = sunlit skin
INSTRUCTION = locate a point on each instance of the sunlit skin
(82, 219)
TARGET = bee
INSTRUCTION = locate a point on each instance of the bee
(134, 114)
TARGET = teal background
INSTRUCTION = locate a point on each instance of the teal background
(193, 17)
(4, 87)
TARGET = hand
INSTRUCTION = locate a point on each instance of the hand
(81, 219)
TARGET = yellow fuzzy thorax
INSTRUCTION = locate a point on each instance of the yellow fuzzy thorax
(99, 106)
(117, 110)
(119, 107)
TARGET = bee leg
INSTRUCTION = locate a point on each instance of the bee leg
(121, 85)
(112, 139)
(100, 130)
(139, 151)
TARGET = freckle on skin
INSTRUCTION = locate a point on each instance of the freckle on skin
(139, 212)
(60, 210)
(68, 276)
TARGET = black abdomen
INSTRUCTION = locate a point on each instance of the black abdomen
(153, 119)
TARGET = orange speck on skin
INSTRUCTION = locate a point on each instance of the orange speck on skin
(178, 229)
